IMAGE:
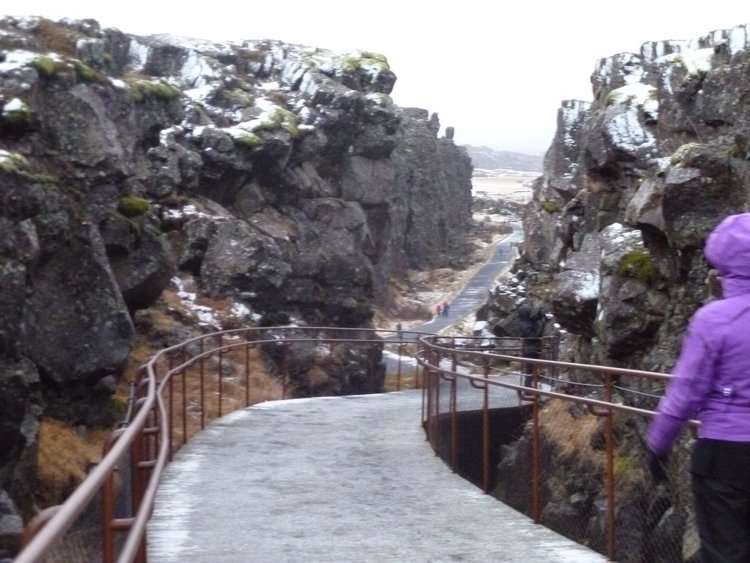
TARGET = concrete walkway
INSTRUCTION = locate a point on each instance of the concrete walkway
(341, 479)
(474, 294)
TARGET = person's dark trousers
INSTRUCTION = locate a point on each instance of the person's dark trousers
(530, 351)
(721, 489)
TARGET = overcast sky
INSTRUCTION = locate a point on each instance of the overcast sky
(495, 71)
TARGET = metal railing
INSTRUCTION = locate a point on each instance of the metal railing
(182, 388)
(177, 392)
(615, 508)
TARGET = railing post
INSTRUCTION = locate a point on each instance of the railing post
(536, 509)
(453, 410)
(139, 477)
(400, 352)
(426, 397)
(184, 373)
(170, 405)
(284, 372)
(221, 375)
(486, 430)
(372, 362)
(610, 446)
(108, 510)
(247, 375)
(202, 383)
(609, 476)
(437, 435)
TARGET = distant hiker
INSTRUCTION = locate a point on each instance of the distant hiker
(399, 331)
(446, 307)
(531, 322)
(439, 309)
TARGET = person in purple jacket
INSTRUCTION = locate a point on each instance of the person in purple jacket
(711, 383)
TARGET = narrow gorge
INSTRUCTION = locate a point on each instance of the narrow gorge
(152, 187)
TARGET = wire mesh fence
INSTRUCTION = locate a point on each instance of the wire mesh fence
(574, 458)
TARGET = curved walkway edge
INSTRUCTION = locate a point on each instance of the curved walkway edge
(334, 479)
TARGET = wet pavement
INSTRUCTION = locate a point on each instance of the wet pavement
(342, 479)
(339, 479)
(474, 293)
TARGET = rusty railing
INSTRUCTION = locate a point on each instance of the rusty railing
(182, 388)
(177, 392)
(575, 418)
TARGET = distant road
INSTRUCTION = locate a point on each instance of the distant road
(474, 293)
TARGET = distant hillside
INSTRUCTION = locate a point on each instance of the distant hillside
(491, 159)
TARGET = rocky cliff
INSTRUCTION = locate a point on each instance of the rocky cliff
(632, 184)
(280, 179)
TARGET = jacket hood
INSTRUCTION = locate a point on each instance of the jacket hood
(728, 247)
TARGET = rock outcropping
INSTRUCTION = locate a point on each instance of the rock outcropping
(633, 183)
(279, 177)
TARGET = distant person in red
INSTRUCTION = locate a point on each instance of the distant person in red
(439, 309)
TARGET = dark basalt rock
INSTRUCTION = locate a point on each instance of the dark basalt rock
(633, 183)
(280, 177)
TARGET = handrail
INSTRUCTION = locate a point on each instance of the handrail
(149, 437)
(440, 359)
(66, 513)
(151, 421)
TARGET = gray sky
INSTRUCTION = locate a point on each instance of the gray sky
(495, 71)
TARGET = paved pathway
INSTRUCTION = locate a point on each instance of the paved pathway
(474, 294)
(341, 479)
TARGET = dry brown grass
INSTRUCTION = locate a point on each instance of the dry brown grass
(577, 440)
(64, 456)
(410, 374)
(223, 311)
(198, 389)
(410, 378)
(62, 463)
(169, 298)
(56, 38)
(316, 376)
(209, 397)
(573, 432)
(570, 432)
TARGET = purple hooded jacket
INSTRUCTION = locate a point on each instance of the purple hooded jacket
(711, 380)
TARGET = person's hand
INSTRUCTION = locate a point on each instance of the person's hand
(657, 465)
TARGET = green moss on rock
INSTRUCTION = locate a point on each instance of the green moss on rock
(357, 60)
(279, 118)
(16, 114)
(12, 161)
(681, 154)
(550, 206)
(132, 206)
(244, 137)
(240, 97)
(638, 264)
(142, 90)
(86, 74)
(47, 66)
